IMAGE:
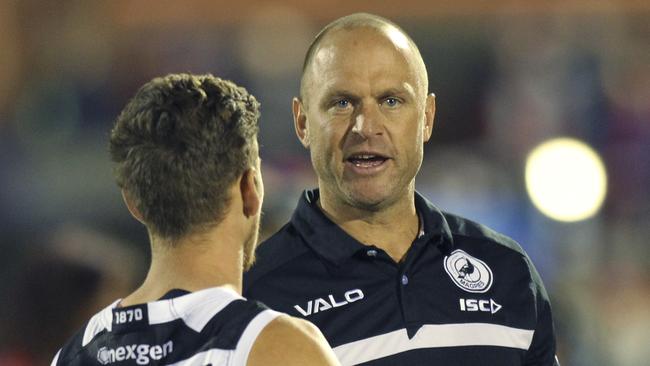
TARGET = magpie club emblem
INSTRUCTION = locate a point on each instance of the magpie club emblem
(467, 272)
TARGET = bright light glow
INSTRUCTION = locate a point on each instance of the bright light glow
(566, 179)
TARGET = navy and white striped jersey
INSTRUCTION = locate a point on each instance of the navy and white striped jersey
(215, 326)
(462, 295)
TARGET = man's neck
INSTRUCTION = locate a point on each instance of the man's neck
(194, 263)
(392, 228)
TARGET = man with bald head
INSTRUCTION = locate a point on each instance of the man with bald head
(388, 277)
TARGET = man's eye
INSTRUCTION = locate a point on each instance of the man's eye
(343, 103)
(391, 102)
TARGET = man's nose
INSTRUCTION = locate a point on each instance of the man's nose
(366, 121)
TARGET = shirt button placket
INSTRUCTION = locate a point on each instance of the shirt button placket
(405, 280)
(404, 297)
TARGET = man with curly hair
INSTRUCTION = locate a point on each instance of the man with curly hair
(186, 159)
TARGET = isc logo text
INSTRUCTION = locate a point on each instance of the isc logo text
(488, 306)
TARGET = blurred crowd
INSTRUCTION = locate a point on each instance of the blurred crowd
(505, 80)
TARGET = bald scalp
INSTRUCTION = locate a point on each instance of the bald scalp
(357, 21)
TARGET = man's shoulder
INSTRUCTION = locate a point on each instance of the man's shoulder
(464, 228)
(307, 343)
(72, 348)
(278, 250)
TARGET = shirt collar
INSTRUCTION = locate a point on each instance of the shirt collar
(332, 243)
(434, 223)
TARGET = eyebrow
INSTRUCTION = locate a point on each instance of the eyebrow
(395, 91)
(338, 93)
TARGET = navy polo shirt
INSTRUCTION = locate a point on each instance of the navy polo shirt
(462, 295)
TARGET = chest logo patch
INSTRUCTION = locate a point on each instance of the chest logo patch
(467, 272)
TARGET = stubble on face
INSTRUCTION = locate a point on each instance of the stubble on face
(363, 65)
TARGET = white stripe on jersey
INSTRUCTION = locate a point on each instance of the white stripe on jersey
(433, 336)
(250, 334)
(196, 309)
(56, 358)
(100, 321)
(238, 356)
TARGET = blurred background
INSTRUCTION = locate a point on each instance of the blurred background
(508, 76)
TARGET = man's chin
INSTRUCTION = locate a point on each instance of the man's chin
(368, 199)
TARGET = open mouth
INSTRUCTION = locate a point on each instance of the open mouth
(366, 160)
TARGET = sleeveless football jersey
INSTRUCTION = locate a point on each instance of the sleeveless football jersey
(215, 326)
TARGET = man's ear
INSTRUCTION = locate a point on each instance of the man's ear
(130, 204)
(300, 121)
(252, 192)
(429, 114)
